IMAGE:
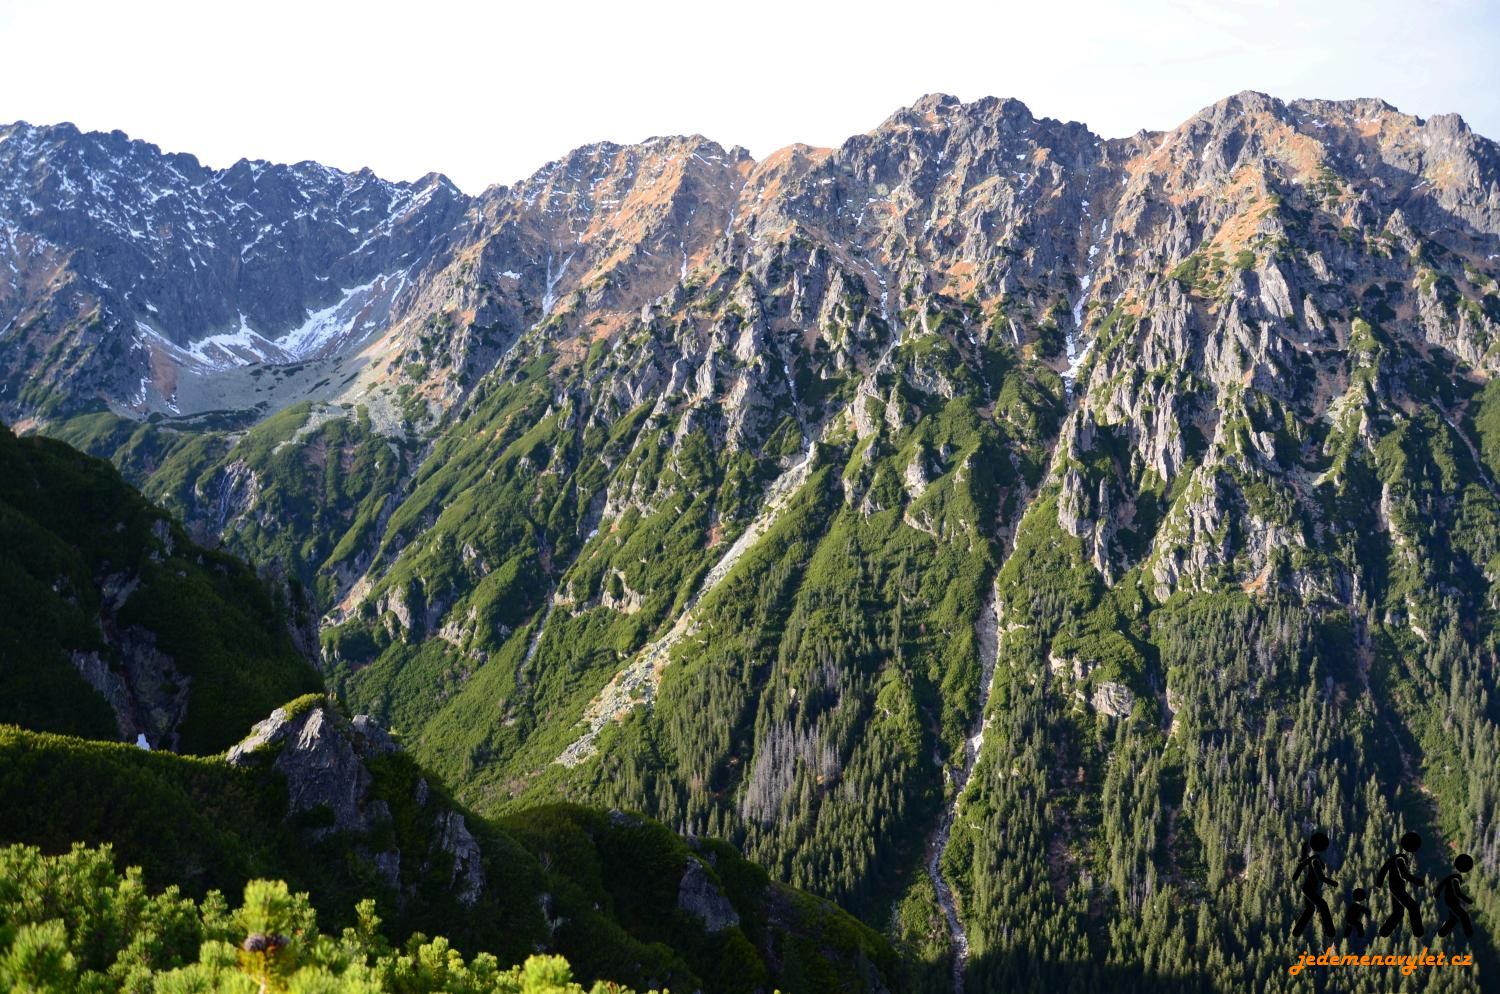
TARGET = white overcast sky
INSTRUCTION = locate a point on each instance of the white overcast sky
(489, 92)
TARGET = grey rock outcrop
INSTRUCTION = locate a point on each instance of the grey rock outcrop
(467, 878)
(146, 691)
(1113, 699)
(322, 764)
(325, 762)
(700, 896)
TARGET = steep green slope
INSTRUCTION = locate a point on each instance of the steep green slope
(319, 477)
(1190, 439)
(1296, 631)
(334, 807)
(822, 672)
(604, 890)
(179, 643)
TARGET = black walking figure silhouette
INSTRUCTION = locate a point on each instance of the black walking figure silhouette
(1451, 890)
(1311, 869)
(1357, 915)
(1397, 873)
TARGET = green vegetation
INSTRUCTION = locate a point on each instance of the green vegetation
(601, 889)
(96, 576)
(1251, 590)
(73, 922)
(1154, 850)
(202, 824)
(320, 477)
(1207, 273)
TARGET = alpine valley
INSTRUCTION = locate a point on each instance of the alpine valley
(1019, 539)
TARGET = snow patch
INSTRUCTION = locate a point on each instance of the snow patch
(357, 310)
(549, 299)
(239, 347)
(326, 325)
(1076, 355)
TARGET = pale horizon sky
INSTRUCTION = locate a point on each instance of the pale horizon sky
(489, 93)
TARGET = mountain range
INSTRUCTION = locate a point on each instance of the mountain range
(1021, 538)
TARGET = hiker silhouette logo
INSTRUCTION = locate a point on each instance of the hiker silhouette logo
(1397, 873)
(1454, 898)
(1313, 873)
(1356, 915)
(1402, 884)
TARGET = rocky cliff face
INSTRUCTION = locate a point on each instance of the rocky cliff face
(133, 261)
(678, 481)
(1262, 284)
(134, 275)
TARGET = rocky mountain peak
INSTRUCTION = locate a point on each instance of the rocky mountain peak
(940, 110)
(159, 272)
(775, 469)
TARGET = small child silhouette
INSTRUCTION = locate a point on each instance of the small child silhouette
(1451, 890)
(1356, 914)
